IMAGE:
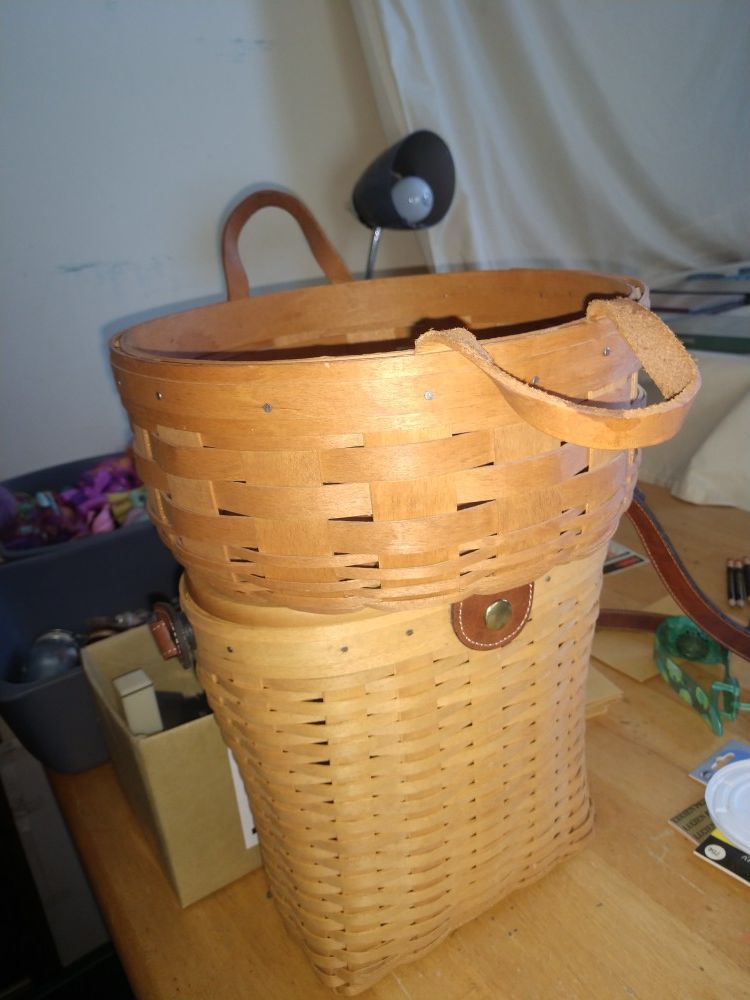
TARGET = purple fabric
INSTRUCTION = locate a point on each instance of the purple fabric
(107, 495)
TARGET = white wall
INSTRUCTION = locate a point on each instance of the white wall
(127, 127)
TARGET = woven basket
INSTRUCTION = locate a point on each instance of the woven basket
(300, 451)
(411, 755)
(400, 782)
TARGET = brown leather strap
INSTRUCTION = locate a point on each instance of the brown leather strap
(322, 249)
(640, 621)
(677, 580)
(475, 620)
(161, 630)
(173, 634)
(597, 426)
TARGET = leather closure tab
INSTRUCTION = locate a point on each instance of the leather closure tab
(162, 635)
(489, 621)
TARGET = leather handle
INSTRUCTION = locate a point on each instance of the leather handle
(598, 426)
(238, 287)
(679, 583)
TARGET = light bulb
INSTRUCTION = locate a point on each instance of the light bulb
(413, 199)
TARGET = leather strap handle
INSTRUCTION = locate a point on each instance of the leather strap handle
(679, 583)
(598, 426)
(238, 287)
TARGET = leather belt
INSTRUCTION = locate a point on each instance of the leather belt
(679, 583)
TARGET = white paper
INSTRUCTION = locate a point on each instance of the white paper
(243, 804)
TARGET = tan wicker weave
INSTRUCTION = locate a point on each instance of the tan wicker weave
(400, 782)
(329, 483)
(302, 451)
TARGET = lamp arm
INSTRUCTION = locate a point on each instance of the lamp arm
(374, 243)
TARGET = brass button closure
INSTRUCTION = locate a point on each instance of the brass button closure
(498, 614)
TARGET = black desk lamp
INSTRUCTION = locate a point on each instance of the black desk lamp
(410, 186)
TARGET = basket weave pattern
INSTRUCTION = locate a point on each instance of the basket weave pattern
(402, 783)
(328, 509)
(375, 480)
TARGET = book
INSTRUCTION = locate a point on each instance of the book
(688, 300)
(708, 284)
(694, 822)
(721, 853)
(711, 845)
(727, 332)
(711, 342)
(727, 754)
(620, 557)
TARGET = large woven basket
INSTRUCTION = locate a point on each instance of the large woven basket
(299, 450)
(393, 561)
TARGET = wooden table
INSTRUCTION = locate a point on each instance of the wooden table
(633, 915)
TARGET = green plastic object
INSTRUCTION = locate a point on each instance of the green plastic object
(680, 639)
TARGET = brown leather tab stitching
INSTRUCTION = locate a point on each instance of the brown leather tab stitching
(467, 618)
(162, 634)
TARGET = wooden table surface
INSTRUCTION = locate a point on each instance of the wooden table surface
(634, 915)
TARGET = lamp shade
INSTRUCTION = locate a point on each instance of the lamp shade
(409, 186)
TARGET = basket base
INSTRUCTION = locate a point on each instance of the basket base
(402, 783)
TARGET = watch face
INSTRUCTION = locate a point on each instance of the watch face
(692, 644)
(679, 636)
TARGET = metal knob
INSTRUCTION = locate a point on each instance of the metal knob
(498, 614)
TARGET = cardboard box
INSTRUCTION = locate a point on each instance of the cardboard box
(179, 782)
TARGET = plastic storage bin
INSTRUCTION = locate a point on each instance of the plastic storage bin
(62, 586)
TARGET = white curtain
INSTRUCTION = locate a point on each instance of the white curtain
(600, 134)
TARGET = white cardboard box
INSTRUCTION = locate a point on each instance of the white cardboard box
(179, 782)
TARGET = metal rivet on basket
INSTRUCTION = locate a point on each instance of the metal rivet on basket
(498, 614)
(230, 649)
(535, 380)
(410, 631)
(159, 395)
(607, 351)
(267, 407)
(429, 394)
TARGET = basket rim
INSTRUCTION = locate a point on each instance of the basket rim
(139, 342)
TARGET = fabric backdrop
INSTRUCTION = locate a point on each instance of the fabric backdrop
(586, 133)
